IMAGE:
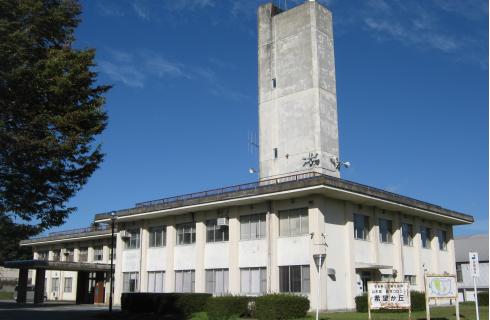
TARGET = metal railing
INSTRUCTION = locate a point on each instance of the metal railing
(98, 227)
(236, 188)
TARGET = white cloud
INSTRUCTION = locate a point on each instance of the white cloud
(107, 9)
(141, 10)
(127, 74)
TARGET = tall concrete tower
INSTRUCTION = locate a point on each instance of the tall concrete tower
(298, 128)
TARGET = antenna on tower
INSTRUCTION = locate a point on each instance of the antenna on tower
(253, 144)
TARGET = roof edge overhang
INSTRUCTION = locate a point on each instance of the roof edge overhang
(65, 238)
(444, 215)
(57, 265)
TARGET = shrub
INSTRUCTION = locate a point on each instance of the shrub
(362, 303)
(177, 304)
(281, 306)
(417, 300)
(227, 307)
(483, 298)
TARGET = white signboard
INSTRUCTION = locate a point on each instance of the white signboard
(474, 264)
(440, 286)
(388, 295)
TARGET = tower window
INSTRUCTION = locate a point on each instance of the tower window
(274, 83)
(275, 153)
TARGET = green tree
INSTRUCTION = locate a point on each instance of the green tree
(50, 113)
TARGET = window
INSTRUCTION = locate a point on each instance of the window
(156, 281)
(157, 236)
(385, 231)
(56, 255)
(293, 222)
(361, 227)
(43, 255)
(130, 281)
(407, 234)
(69, 254)
(274, 82)
(425, 237)
(134, 239)
(55, 284)
(442, 238)
(68, 283)
(252, 227)
(294, 278)
(387, 277)
(186, 233)
(411, 279)
(275, 153)
(215, 233)
(253, 280)
(98, 253)
(83, 255)
(459, 272)
(185, 280)
(217, 281)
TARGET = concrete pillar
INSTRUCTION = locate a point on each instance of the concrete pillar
(317, 226)
(39, 287)
(118, 275)
(417, 244)
(170, 268)
(450, 250)
(398, 246)
(22, 285)
(349, 255)
(234, 240)
(434, 245)
(272, 236)
(374, 234)
(200, 284)
(143, 252)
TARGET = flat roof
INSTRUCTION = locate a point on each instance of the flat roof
(58, 265)
(474, 243)
(69, 236)
(289, 186)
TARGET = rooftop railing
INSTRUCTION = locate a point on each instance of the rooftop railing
(98, 227)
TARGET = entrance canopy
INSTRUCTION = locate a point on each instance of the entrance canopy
(58, 265)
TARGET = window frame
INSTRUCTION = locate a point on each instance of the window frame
(408, 233)
(65, 286)
(262, 280)
(411, 279)
(365, 227)
(303, 270)
(389, 230)
(250, 221)
(442, 244)
(98, 253)
(84, 254)
(153, 236)
(155, 273)
(192, 274)
(211, 281)
(127, 285)
(134, 240)
(428, 237)
(213, 228)
(183, 229)
(302, 216)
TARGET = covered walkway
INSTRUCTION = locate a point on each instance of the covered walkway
(85, 272)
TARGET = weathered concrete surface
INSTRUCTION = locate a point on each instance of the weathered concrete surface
(298, 116)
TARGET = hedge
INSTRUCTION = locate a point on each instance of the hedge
(483, 298)
(281, 307)
(417, 300)
(177, 304)
(227, 307)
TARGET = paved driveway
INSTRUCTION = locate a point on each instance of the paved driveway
(50, 311)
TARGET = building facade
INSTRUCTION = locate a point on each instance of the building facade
(263, 237)
(463, 246)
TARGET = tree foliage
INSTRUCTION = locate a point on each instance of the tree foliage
(50, 113)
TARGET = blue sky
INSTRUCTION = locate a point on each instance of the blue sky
(412, 84)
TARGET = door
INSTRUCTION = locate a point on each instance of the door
(99, 292)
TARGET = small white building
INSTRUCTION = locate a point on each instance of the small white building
(262, 237)
(463, 246)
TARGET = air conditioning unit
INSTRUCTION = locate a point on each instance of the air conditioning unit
(222, 222)
(124, 234)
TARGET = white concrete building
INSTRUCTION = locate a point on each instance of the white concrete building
(463, 246)
(262, 237)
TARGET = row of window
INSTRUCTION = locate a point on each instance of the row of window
(291, 223)
(98, 254)
(362, 227)
(253, 281)
(55, 285)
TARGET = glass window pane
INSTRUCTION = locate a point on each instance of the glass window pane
(305, 229)
(209, 281)
(295, 272)
(255, 280)
(245, 281)
(244, 228)
(151, 281)
(179, 280)
(305, 279)
(284, 279)
(263, 280)
(219, 286)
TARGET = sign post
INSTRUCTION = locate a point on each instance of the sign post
(389, 295)
(475, 272)
(441, 287)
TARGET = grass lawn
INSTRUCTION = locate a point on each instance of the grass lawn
(466, 311)
(6, 295)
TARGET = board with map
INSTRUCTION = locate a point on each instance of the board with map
(441, 286)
